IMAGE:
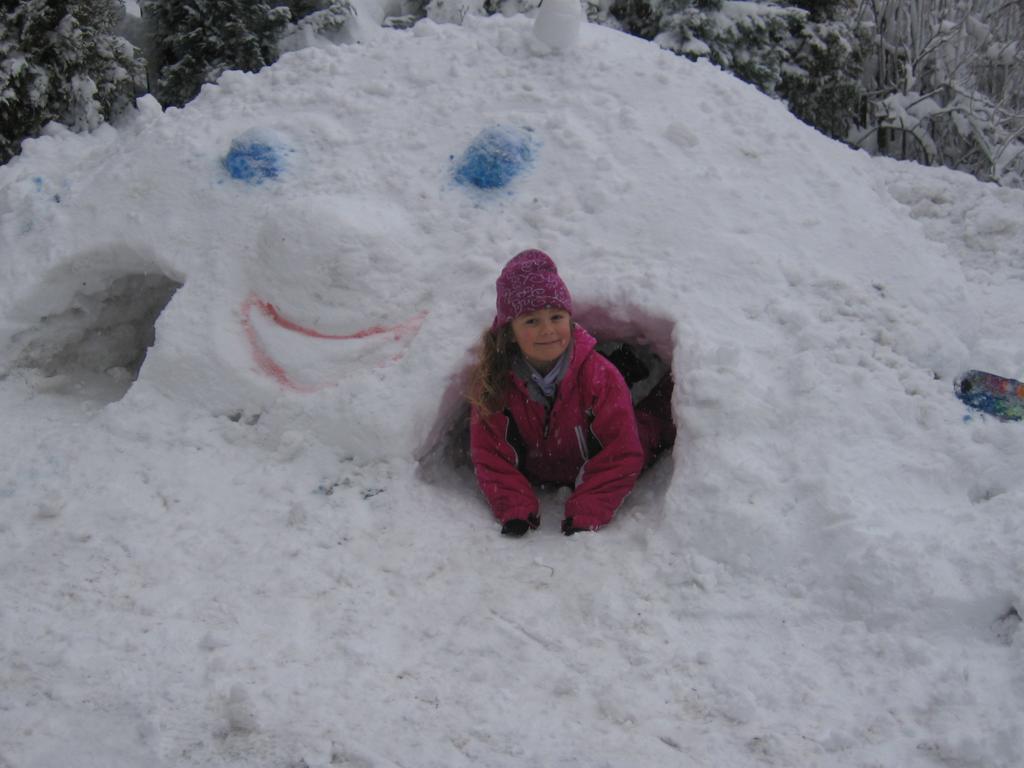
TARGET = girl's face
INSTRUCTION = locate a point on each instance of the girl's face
(543, 336)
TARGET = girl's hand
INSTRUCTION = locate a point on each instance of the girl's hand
(569, 529)
(517, 528)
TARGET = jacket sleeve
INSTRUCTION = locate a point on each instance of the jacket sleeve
(608, 476)
(495, 463)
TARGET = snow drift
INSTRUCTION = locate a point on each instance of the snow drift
(825, 571)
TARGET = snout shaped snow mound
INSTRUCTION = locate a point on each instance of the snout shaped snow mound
(321, 297)
(335, 261)
(495, 157)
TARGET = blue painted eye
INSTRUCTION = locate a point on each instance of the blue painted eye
(256, 155)
(495, 157)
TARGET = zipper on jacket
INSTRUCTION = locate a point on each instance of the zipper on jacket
(547, 419)
(513, 437)
(581, 443)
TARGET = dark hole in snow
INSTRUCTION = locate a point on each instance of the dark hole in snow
(95, 348)
(644, 361)
(495, 157)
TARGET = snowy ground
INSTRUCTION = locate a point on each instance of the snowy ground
(264, 551)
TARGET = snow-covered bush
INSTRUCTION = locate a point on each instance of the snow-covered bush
(946, 79)
(749, 39)
(454, 11)
(317, 20)
(60, 60)
(821, 81)
(822, 10)
(792, 51)
(194, 41)
(937, 81)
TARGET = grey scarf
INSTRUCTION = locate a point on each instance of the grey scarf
(543, 386)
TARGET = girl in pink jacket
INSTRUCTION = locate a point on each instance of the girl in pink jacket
(548, 409)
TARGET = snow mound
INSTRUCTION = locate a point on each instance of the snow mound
(342, 262)
(244, 540)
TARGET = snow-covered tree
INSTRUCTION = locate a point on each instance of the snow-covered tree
(194, 41)
(945, 80)
(822, 10)
(748, 39)
(454, 11)
(939, 81)
(793, 51)
(821, 82)
(60, 60)
(317, 20)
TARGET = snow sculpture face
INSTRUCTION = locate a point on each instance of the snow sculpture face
(320, 295)
(332, 261)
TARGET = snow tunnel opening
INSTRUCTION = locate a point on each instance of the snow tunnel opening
(638, 343)
(95, 348)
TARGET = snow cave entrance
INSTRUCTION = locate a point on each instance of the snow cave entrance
(639, 344)
(94, 349)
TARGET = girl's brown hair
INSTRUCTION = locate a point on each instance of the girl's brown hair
(489, 381)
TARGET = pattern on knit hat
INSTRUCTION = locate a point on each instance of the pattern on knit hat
(529, 282)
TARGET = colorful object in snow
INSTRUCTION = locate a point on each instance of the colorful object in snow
(995, 395)
(495, 157)
(255, 156)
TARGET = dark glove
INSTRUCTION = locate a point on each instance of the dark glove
(517, 528)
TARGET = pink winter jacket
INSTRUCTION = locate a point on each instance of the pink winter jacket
(588, 440)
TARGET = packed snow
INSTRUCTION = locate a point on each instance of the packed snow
(237, 524)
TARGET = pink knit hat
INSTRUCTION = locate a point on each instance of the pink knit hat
(529, 282)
